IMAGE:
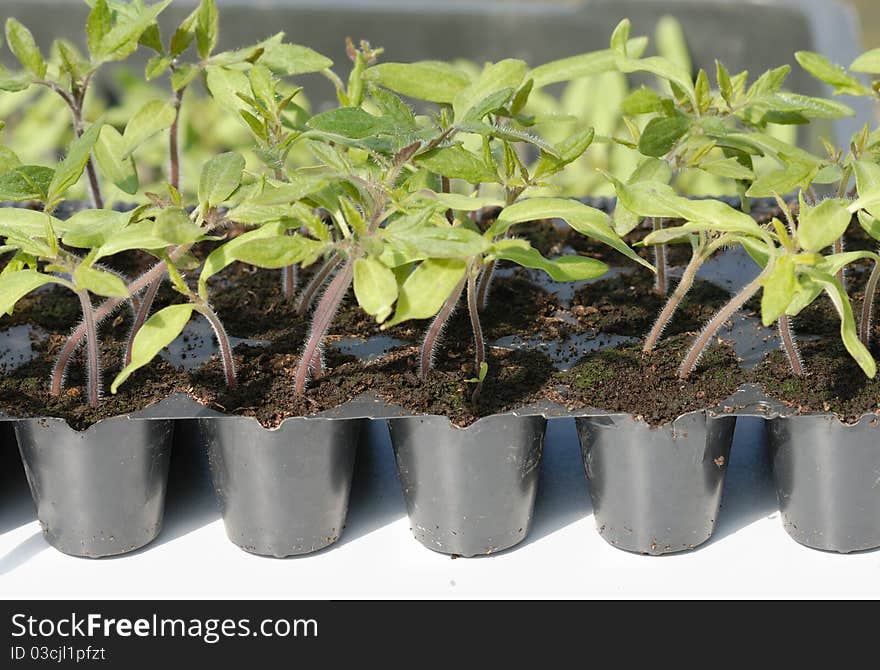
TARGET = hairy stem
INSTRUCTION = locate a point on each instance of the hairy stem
(487, 274)
(317, 281)
(288, 281)
(684, 285)
(143, 311)
(789, 345)
(93, 363)
(479, 345)
(426, 355)
(173, 142)
(837, 248)
(223, 343)
(868, 305)
(323, 317)
(696, 351)
(661, 279)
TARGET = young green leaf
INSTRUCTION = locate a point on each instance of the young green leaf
(292, 59)
(584, 65)
(562, 269)
(108, 151)
(26, 182)
(819, 226)
(274, 253)
(826, 71)
(153, 117)
(122, 39)
(868, 62)
(351, 122)
(174, 225)
(207, 28)
(779, 289)
(661, 134)
(671, 43)
(98, 25)
(456, 162)
(160, 330)
(495, 77)
(220, 178)
(430, 241)
(425, 290)
(22, 44)
(15, 285)
(375, 287)
(99, 282)
(71, 168)
(432, 81)
(92, 228)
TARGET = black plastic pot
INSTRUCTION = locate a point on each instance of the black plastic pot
(827, 476)
(283, 492)
(469, 491)
(656, 490)
(101, 491)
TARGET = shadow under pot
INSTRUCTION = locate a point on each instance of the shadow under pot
(469, 491)
(827, 477)
(283, 491)
(656, 490)
(100, 491)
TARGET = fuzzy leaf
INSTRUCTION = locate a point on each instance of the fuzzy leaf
(425, 290)
(99, 282)
(98, 25)
(495, 77)
(175, 226)
(220, 178)
(92, 228)
(784, 180)
(153, 117)
(819, 226)
(108, 152)
(206, 28)
(71, 168)
(834, 75)
(457, 162)
(868, 62)
(292, 59)
(433, 81)
(351, 122)
(26, 182)
(779, 289)
(430, 241)
(28, 222)
(375, 287)
(160, 330)
(122, 39)
(661, 134)
(22, 44)
(274, 253)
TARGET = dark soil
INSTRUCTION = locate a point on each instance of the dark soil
(833, 382)
(628, 305)
(266, 376)
(623, 379)
(24, 392)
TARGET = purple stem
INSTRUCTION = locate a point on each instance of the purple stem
(426, 355)
(93, 363)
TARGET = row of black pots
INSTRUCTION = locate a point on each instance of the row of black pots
(469, 491)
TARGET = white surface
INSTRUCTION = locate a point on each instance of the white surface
(750, 556)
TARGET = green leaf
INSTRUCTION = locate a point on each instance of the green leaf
(153, 117)
(826, 71)
(135, 236)
(184, 75)
(508, 73)
(724, 83)
(99, 282)
(156, 67)
(375, 287)
(28, 222)
(847, 323)
(224, 255)
(569, 150)
(351, 122)
(779, 289)
(276, 252)
(15, 285)
(8, 159)
(71, 168)
(26, 182)
(394, 108)
(207, 27)
(175, 226)
(433, 81)
(784, 180)
(293, 59)
(456, 162)
(867, 176)
(868, 62)
(430, 241)
(586, 220)
(12, 82)
(224, 85)
(870, 225)
(642, 101)
(491, 104)
(425, 290)
(819, 226)
(92, 228)
(584, 65)
(160, 330)
(728, 167)
(98, 25)
(810, 107)
(22, 44)
(562, 269)
(108, 152)
(508, 133)
(661, 134)
(122, 40)
(220, 178)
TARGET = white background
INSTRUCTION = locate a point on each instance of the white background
(750, 555)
